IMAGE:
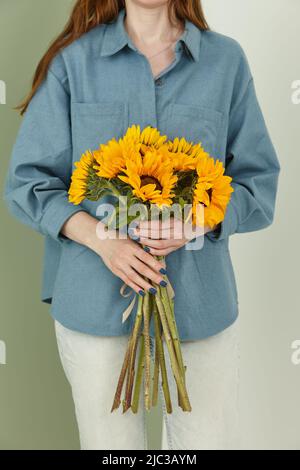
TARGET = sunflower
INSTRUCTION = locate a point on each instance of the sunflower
(110, 157)
(148, 138)
(79, 179)
(151, 178)
(183, 154)
(213, 190)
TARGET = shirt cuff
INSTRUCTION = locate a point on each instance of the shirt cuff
(59, 211)
(227, 227)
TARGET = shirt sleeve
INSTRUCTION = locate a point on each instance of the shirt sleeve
(36, 188)
(251, 161)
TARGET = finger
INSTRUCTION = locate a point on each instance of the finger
(138, 289)
(157, 224)
(159, 244)
(164, 252)
(157, 229)
(146, 258)
(148, 272)
(137, 279)
(148, 233)
(176, 232)
(164, 235)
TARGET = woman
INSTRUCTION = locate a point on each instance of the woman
(148, 62)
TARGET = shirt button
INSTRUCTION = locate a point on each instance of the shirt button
(158, 81)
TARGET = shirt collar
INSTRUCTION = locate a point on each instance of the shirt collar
(116, 37)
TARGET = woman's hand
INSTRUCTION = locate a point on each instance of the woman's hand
(124, 257)
(130, 262)
(162, 237)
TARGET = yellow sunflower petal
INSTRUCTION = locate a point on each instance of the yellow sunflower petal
(79, 179)
(213, 190)
(151, 176)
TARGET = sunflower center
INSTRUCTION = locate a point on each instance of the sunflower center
(150, 180)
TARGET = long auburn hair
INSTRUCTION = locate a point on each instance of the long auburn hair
(87, 14)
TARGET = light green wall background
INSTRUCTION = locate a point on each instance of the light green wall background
(267, 262)
(36, 409)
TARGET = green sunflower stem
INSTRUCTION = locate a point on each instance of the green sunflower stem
(168, 303)
(139, 377)
(172, 325)
(184, 399)
(132, 355)
(146, 334)
(156, 366)
(160, 361)
(117, 398)
(155, 378)
(169, 310)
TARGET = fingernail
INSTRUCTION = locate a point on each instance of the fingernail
(163, 283)
(146, 248)
(163, 271)
(142, 293)
(152, 290)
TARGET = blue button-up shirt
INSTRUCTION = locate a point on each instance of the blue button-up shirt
(96, 88)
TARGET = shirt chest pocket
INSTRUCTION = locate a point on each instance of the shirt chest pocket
(195, 124)
(96, 123)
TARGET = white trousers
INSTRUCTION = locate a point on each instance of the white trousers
(92, 365)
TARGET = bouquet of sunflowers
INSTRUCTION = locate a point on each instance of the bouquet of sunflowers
(145, 168)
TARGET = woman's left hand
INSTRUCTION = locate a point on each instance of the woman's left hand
(162, 237)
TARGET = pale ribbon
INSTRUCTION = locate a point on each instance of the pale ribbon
(130, 307)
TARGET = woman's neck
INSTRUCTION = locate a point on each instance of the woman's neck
(150, 28)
